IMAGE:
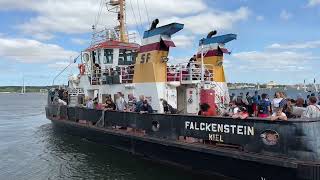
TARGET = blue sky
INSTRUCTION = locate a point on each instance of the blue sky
(277, 40)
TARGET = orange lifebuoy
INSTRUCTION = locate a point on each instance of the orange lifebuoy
(82, 69)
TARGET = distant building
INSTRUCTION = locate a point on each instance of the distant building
(271, 84)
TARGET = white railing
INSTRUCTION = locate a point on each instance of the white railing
(112, 75)
(190, 73)
(108, 35)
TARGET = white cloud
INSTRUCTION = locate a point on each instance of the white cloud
(260, 18)
(74, 17)
(71, 16)
(61, 65)
(285, 15)
(205, 22)
(275, 61)
(301, 45)
(314, 2)
(43, 36)
(80, 41)
(183, 41)
(32, 51)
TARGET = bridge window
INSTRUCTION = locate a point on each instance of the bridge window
(127, 57)
(96, 56)
(108, 56)
(93, 54)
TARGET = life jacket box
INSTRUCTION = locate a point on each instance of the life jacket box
(208, 96)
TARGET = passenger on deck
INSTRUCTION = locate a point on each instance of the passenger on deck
(206, 110)
(279, 115)
(242, 100)
(233, 97)
(319, 98)
(241, 114)
(65, 97)
(109, 105)
(276, 101)
(58, 101)
(97, 106)
(264, 107)
(288, 108)
(131, 103)
(139, 103)
(167, 108)
(191, 61)
(284, 100)
(255, 101)
(250, 102)
(313, 110)
(145, 107)
(120, 102)
(231, 110)
(60, 92)
(89, 104)
(300, 102)
(306, 101)
(52, 94)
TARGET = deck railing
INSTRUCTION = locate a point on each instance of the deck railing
(110, 75)
(191, 73)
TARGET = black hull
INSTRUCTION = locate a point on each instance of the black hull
(178, 155)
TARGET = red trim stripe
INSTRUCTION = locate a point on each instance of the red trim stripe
(155, 46)
(113, 45)
(214, 52)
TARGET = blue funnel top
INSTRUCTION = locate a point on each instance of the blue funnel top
(168, 29)
(218, 39)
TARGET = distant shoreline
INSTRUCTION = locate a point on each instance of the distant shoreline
(17, 89)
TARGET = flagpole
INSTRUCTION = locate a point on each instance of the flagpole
(71, 62)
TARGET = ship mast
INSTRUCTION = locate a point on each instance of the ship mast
(120, 6)
(122, 21)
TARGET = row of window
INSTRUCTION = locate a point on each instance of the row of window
(126, 57)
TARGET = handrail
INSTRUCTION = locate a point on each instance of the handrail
(191, 72)
(125, 73)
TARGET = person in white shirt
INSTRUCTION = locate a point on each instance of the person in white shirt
(276, 100)
(120, 102)
(313, 110)
(279, 115)
(61, 102)
(89, 104)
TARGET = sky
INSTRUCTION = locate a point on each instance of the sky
(277, 40)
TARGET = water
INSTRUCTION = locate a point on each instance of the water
(30, 149)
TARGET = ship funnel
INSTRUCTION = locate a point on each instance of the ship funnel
(212, 33)
(151, 62)
(154, 24)
(213, 49)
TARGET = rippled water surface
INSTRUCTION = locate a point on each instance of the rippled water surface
(30, 149)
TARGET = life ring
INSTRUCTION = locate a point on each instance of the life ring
(82, 69)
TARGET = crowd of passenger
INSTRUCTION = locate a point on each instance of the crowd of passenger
(59, 96)
(242, 106)
(278, 107)
(120, 104)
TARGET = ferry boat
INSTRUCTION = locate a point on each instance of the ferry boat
(254, 148)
